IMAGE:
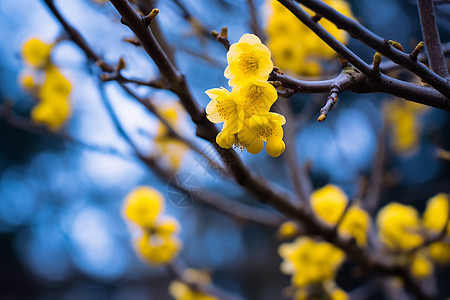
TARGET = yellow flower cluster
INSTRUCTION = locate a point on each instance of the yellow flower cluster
(180, 290)
(294, 46)
(159, 243)
(49, 85)
(401, 229)
(245, 111)
(403, 119)
(171, 149)
(329, 203)
(310, 263)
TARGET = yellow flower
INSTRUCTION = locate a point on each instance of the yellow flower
(181, 290)
(171, 149)
(403, 118)
(338, 294)
(255, 97)
(268, 128)
(436, 213)
(288, 229)
(328, 203)
(309, 261)
(53, 113)
(27, 81)
(421, 266)
(244, 139)
(36, 53)
(440, 252)
(248, 59)
(55, 85)
(399, 226)
(143, 206)
(356, 223)
(158, 249)
(223, 108)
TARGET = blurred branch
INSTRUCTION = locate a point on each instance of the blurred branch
(430, 33)
(436, 237)
(337, 46)
(77, 38)
(254, 26)
(376, 179)
(369, 38)
(300, 178)
(25, 124)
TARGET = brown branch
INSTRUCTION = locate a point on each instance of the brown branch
(430, 33)
(352, 79)
(77, 38)
(376, 179)
(376, 42)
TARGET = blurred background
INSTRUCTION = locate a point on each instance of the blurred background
(62, 235)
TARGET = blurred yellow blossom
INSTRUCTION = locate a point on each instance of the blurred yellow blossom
(180, 290)
(288, 229)
(421, 265)
(156, 248)
(339, 294)
(309, 261)
(54, 107)
(171, 149)
(440, 252)
(36, 53)
(52, 113)
(399, 226)
(143, 205)
(403, 119)
(248, 59)
(158, 243)
(328, 203)
(27, 81)
(356, 223)
(436, 213)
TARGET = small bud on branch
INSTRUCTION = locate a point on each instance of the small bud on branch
(417, 50)
(396, 45)
(376, 64)
(148, 18)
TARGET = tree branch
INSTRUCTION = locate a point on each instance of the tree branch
(378, 43)
(430, 33)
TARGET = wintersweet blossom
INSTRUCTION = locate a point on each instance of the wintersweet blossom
(399, 226)
(36, 52)
(248, 59)
(328, 203)
(143, 205)
(170, 149)
(224, 108)
(310, 262)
